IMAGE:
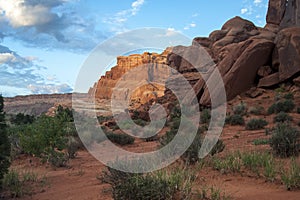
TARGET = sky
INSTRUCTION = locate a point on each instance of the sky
(43, 43)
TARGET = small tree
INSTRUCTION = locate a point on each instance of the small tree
(4, 143)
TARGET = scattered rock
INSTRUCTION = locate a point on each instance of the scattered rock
(264, 71)
(269, 81)
(297, 81)
(254, 92)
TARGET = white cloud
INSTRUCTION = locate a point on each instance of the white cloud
(49, 89)
(136, 6)
(244, 10)
(191, 25)
(49, 24)
(257, 2)
(21, 74)
(20, 13)
(7, 57)
(121, 17)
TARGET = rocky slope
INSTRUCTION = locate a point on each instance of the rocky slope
(36, 104)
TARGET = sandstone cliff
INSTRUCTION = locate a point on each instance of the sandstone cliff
(103, 89)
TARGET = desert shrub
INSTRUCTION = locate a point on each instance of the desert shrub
(254, 161)
(258, 110)
(205, 116)
(289, 96)
(12, 183)
(282, 117)
(285, 140)
(168, 137)
(157, 185)
(261, 142)
(121, 139)
(72, 147)
(21, 118)
(140, 122)
(4, 143)
(175, 112)
(191, 155)
(258, 163)
(291, 177)
(282, 106)
(230, 164)
(17, 184)
(56, 158)
(48, 137)
(101, 119)
(213, 193)
(219, 147)
(235, 120)
(256, 124)
(240, 109)
(175, 123)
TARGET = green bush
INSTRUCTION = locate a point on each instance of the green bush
(240, 109)
(219, 147)
(121, 139)
(261, 142)
(235, 119)
(72, 147)
(256, 124)
(282, 117)
(18, 184)
(258, 110)
(255, 161)
(102, 119)
(4, 143)
(230, 164)
(282, 106)
(21, 118)
(291, 177)
(191, 155)
(47, 137)
(205, 116)
(158, 185)
(285, 140)
(13, 184)
(289, 96)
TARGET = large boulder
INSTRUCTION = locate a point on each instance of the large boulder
(291, 15)
(241, 75)
(276, 11)
(288, 45)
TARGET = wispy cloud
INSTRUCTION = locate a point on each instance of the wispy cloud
(191, 25)
(117, 21)
(253, 8)
(244, 10)
(22, 74)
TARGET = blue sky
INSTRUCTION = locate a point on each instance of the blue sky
(43, 43)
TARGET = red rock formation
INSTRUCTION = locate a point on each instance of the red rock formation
(240, 50)
(103, 89)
